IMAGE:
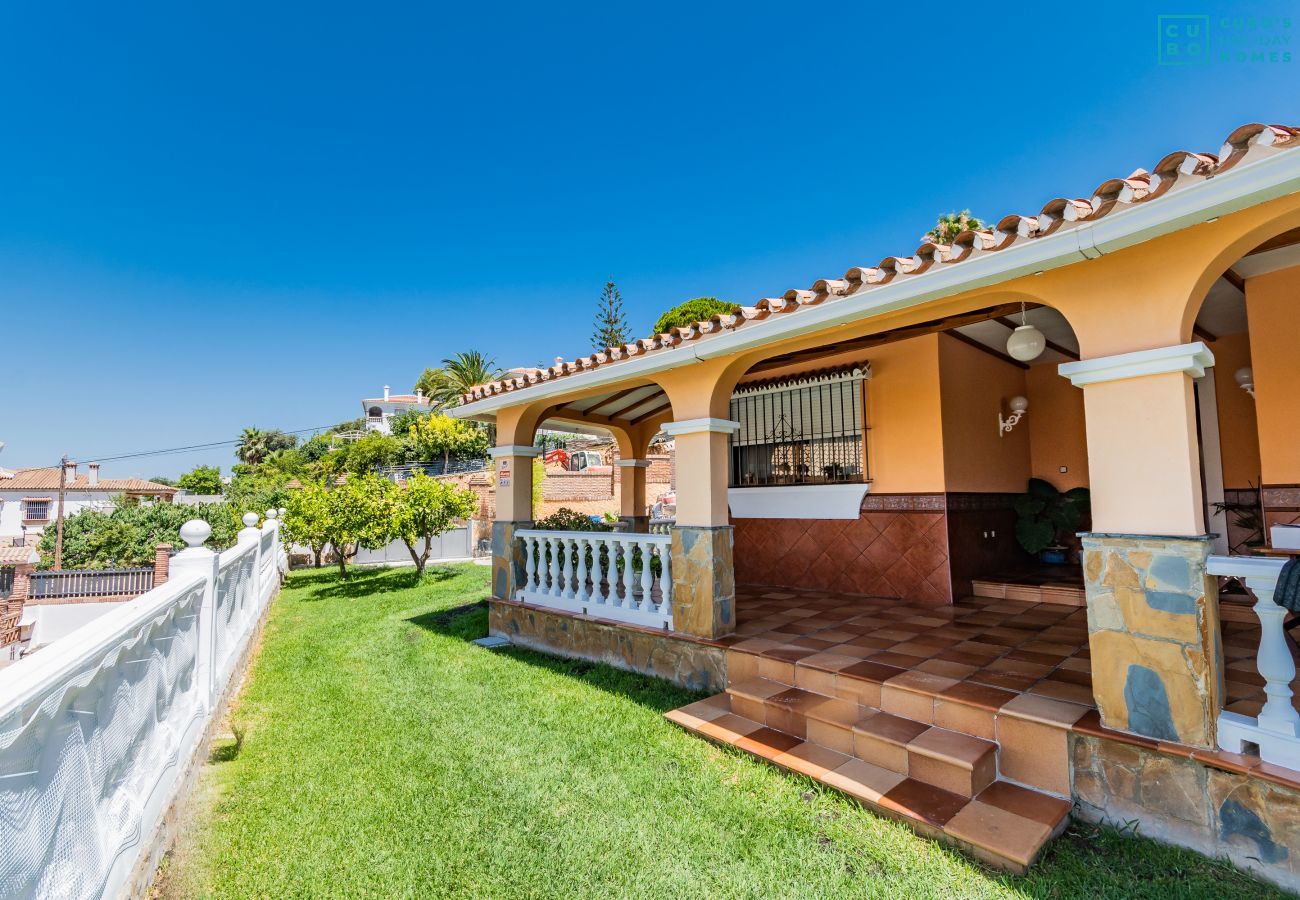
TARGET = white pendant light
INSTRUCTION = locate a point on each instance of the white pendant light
(1026, 342)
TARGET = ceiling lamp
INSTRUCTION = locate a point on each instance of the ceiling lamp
(1244, 377)
(1026, 342)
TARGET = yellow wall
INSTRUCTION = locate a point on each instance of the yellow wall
(1273, 307)
(1057, 433)
(1238, 437)
(905, 418)
(976, 388)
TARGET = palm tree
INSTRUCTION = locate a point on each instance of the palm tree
(252, 446)
(445, 385)
(255, 445)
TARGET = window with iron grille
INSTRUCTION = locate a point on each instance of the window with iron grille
(800, 431)
(36, 510)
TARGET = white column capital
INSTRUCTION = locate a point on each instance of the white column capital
(513, 450)
(698, 426)
(1192, 359)
(633, 463)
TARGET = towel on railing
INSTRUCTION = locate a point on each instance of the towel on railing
(1287, 592)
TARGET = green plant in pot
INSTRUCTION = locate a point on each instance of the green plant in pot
(1046, 517)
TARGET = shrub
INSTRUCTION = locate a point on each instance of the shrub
(693, 311)
(565, 519)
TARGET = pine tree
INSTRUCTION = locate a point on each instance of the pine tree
(611, 323)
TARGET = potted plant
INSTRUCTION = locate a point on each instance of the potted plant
(1046, 518)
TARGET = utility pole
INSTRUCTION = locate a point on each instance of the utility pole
(58, 535)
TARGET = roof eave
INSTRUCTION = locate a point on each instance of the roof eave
(1244, 185)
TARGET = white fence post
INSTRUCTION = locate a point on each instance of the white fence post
(250, 533)
(199, 560)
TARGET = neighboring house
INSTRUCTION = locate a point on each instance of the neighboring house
(29, 497)
(380, 410)
(843, 567)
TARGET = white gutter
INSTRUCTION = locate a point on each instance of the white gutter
(1244, 185)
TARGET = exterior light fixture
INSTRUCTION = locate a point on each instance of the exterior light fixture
(1026, 342)
(1245, 378)
(1019, 406)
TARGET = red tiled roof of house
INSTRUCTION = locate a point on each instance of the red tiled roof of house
(16, 556)
(397, 398)
(47, 479)
(1140, 187)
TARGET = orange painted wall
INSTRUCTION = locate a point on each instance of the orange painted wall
(1238, 429)
(976, 387)
(905, 418)
(1057, 431)
(1273, 307)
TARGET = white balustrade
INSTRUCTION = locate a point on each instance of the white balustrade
(98, 729)
(1276, 730)
(619, 576)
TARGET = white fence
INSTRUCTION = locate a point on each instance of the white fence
(97, 729)
(1276, 730)
(613, 575)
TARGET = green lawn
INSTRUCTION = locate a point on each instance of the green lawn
(387, 756)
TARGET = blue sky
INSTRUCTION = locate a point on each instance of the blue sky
(234, 215)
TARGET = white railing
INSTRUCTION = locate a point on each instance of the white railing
(1276, 730)
(89, 583)
(621, 576)
(98, 728)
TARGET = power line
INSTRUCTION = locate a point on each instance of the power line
(190, 447)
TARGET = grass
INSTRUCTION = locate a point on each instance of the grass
(384, 755)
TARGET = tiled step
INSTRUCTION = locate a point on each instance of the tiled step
(1031, 729)
(1061, 594)
(956, 762)
(1003, 824)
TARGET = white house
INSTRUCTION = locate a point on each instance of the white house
(29, 497)
(380, 410)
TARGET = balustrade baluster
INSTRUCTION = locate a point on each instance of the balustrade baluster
(666, 580)
(647, 575)
(580, 580)
(566, 569)
(629, 578)
(530, 564)
(1274, 662)
(557, 588)
(597, 596)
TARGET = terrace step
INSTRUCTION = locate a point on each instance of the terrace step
(1005, 825)
(957, 762)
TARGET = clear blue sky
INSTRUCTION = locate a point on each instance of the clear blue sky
(240, 215)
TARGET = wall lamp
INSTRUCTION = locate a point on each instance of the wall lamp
(1019, 406)
(1245, 378)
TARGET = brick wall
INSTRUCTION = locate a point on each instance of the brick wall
(578, 486)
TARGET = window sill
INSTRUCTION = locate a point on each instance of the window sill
(798, 501)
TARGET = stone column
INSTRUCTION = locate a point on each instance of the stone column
(1153, 612)
(513, 465)
(704, 584)
(632, 498)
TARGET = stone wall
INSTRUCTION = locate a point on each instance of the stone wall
(1172, 796)
(1153, 622)
(692, 664)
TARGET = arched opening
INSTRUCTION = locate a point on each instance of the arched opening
(375, 412)
(890, 464)
(1248, 415)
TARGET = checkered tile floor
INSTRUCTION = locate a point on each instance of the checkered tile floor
(1036, 648)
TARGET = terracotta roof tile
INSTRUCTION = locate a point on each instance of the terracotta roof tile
(48, 480)
(1117, 193)
(14, 556)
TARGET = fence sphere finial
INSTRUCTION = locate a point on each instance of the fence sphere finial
(250, 520)
(271, 513)
(195, 532)
(281, 512)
